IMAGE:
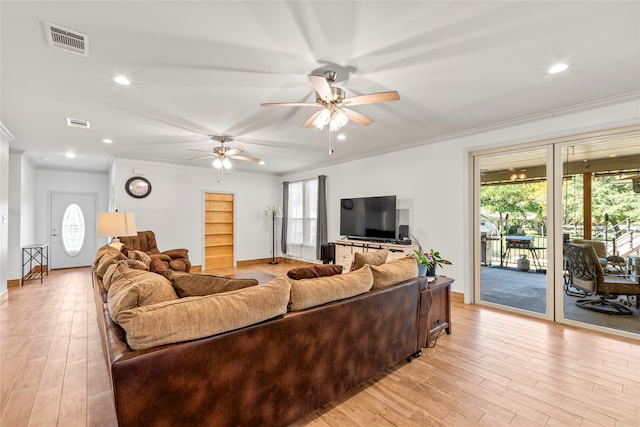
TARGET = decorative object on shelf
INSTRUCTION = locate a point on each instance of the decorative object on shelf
(114, 224)
(273, 212)
(428, 261)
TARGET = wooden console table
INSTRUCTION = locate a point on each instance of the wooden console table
(440, 309)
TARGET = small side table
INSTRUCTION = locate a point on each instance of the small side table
(36, 258)
(440, 309)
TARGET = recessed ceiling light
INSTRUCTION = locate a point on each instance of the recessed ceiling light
(558, 68)
(121, 80)
(70, 155)
(342, 137)
(107, 141)
(261, 162)
(613, 155)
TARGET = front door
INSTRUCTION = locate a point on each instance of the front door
(73, 225)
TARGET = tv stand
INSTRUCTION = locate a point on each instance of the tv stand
(345, 249)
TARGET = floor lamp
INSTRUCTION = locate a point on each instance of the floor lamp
(273, 212)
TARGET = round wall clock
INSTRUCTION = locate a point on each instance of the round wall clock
(138, 187)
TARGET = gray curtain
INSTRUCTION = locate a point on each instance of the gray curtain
(321, 232)
(285, 216)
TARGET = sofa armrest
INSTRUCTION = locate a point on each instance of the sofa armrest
(177, 253)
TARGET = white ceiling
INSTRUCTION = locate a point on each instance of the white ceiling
(200, 68)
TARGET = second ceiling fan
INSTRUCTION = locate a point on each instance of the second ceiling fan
(221, 155)
(333, 104)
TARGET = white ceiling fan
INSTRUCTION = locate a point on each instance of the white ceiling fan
(222, 155)
(333, 104)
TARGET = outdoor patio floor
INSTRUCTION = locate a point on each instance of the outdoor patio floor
(526, 290)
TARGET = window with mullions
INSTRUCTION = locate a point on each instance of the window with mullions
(303, 213)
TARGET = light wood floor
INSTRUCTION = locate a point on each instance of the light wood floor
(496, 369)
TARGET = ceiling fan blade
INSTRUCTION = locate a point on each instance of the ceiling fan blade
(309, 122)
(321, 85)
(372, 98)
(199, 151)
(247, 158)
(288, 104)
(354, 116)
(211, 156)
(233, 152)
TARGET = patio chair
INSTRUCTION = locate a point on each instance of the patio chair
(610, 263)
(586, 274)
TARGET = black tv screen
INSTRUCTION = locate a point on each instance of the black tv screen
(369, 217)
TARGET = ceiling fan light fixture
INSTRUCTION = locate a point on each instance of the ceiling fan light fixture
(226, 163)
(338, 120)
(217, 163)
(323, 118)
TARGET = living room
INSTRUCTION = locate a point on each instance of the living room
(430, 174)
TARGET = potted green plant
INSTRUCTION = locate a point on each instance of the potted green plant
(427, 262)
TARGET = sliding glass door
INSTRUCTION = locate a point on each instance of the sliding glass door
(532, 201)
(601, 209)
(513, 221)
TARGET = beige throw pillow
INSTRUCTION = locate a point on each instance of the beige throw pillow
(191, 285)
(198, 317)
(132, 288)
(311, 292)
(371, 258)
(394, 271)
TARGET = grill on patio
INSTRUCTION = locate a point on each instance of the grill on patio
(519, 243)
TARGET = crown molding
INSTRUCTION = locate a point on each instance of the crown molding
(576, 108)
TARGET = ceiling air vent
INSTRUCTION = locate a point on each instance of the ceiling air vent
(66, 39)
(77, 123)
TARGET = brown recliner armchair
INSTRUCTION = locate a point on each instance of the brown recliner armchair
(145, 241)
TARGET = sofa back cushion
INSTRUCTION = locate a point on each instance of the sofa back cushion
(108, 275)
(106, 249)
(191, 285)
(132, 288)
(197, 317)
(313, 271)
(311, 292)
(106, 260)
(394, 271)
(371, 258)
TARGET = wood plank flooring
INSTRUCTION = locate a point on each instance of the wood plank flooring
(496, 369)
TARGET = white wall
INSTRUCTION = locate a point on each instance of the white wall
(52, 181)
(174, 209)
(21, 209)
(4, 212)
(432, 180)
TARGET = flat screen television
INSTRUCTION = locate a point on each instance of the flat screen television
(368, 217)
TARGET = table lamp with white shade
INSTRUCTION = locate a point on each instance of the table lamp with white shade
(115, 224)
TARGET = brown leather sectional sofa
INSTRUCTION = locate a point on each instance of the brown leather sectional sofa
(267, 374)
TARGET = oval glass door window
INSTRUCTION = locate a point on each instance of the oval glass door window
(73, 230)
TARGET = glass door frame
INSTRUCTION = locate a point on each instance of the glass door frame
(476, 158)
(555, 282)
